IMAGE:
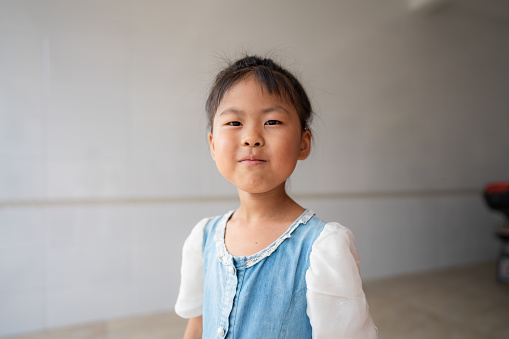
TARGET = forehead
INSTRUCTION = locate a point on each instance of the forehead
(251, 93)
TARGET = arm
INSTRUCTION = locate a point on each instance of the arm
(337, 306)
(194, 328)
(190, 298)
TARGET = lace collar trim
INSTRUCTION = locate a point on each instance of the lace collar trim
(227, 259)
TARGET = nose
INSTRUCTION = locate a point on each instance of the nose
(253, 139)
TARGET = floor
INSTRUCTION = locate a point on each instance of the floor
(464, 303)
(455, 303)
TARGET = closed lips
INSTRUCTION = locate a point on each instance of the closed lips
(252, 161)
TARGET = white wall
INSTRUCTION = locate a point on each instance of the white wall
(104, 166)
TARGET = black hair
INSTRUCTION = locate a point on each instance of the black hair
(270, 75)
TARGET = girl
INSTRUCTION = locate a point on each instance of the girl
(270, 269)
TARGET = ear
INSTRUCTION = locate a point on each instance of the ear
(212, 147)
(305, 145)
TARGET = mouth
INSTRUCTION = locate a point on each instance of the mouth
(252, 161)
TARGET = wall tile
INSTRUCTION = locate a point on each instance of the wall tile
(87, 303)
(148, 294)
(467, 234)
(21, 98)
(70, 227)
(93, 265)
(88, 245)
(21, 134)
(21, 179)
(88, 178)
(22, 312)
(21, 229)
(87, 139)
(21, 270)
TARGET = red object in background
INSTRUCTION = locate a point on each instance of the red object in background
(497, 187)
(496, 195)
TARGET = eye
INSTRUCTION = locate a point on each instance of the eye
(234, 123)
(273, 122)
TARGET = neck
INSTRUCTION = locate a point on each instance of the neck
(275, 204)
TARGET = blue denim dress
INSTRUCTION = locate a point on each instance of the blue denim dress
(263, 295)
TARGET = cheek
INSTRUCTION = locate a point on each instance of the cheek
(222, 145)
(224, 152)
(290, 145)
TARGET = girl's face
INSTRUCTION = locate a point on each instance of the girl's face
(257, 138)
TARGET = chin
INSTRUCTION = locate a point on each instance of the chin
(259, 189)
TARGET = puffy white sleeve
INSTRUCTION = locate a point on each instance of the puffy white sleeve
(190, 298)
(337, 306)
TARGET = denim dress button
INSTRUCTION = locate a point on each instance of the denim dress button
(231, 270)
(220, 331)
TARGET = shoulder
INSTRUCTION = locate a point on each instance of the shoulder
(334, 262)
(334, 229)
(195, 238)
(200, 226)
(334, 239)
(329, 235)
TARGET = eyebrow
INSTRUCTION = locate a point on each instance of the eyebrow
(230, 110)
(236, 111)
(275, 108)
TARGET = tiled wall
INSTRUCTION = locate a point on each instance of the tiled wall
(104, 166)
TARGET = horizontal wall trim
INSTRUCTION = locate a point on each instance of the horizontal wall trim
(231, 198)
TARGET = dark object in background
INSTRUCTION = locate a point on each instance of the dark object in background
(496, 195)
